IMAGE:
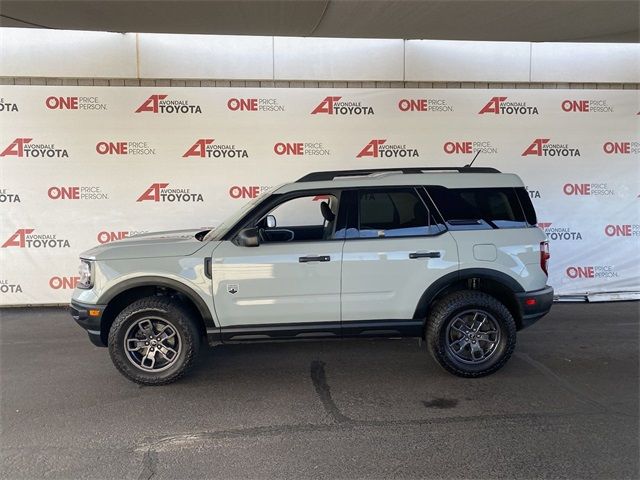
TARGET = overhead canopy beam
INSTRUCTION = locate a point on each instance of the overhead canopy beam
(490, 20)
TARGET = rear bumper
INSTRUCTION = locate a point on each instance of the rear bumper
(534, 305)
(90, 322)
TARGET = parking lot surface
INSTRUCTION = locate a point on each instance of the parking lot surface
(565, 406)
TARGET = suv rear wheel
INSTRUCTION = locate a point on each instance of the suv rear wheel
(154, 341)
(470, 333)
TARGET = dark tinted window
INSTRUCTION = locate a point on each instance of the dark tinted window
(479, 208)
(527, 205)
(392, 213)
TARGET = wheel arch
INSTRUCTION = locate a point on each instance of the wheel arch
(122, 294)
(495, 283)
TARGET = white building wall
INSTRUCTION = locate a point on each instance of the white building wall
(34, 53)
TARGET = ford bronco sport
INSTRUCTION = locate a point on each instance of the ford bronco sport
(451, 255)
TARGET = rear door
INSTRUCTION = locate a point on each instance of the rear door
(394, 249)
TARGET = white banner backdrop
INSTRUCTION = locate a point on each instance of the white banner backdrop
(87, 165)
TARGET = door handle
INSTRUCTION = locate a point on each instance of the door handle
(425, 255)
(321, 258)
(207, 267)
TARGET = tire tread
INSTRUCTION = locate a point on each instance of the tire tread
(177, 313)
(455, 301)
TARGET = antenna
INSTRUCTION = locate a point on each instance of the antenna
(474, 159)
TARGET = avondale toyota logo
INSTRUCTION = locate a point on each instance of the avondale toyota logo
(378, 148)
(23, 148)
(7, 287)
(542, 148)
(25, 238)
(206, 148)
(160, 104)
(559, 233)
(7, 196)
(334, 106)
(533, 193)
(158, 192)
(6, 106)
(500, 106)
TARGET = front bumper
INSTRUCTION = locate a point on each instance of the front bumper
(90, 322)
(534, 305)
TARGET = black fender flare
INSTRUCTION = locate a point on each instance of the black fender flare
(445, 281)
(153, 281)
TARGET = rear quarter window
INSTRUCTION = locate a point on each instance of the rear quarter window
(483, 208)
(527, 206)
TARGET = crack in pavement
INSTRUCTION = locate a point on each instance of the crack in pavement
(319, 379)
(342, 422)
(149, 463)
(178, 440)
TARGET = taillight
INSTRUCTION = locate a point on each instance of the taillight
(544, 257)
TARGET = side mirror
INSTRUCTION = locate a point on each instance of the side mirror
(271, 221)
(248, 237)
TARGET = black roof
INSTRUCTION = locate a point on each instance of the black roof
(331, 174)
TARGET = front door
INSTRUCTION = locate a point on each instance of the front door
(287, 286)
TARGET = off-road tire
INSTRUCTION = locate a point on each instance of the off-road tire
(170, 311)
(446, 310)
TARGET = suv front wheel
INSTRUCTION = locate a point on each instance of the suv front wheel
(154, 341)
(470, 333)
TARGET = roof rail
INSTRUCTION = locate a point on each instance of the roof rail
(331, 174)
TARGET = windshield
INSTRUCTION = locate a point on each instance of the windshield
(218, 232)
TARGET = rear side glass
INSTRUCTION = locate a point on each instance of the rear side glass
(527, 206)
(392, 214)
(479, 208)
(388, 213)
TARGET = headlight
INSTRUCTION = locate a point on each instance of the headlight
(84, 270)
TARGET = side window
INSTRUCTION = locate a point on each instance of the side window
(301, 211)
(479, 208)
(392, 213)
(527, 206)
(308, 218)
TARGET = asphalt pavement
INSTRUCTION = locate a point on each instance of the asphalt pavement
(565, 406)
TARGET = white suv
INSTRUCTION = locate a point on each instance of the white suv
(452, 255)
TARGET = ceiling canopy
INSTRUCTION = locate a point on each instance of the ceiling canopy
(517, 20)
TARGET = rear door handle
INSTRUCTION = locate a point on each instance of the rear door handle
(320, 258)
(425, 255)
(207, 267)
